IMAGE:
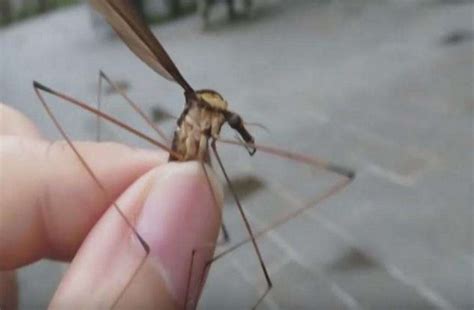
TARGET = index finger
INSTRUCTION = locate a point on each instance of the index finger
(49, 202)
(14, 123)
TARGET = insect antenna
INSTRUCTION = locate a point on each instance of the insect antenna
(258, 125)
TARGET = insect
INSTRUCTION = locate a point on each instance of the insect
(197, 133)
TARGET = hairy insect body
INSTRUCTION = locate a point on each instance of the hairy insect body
(201, 119)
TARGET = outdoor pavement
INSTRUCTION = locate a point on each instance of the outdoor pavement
(378, 86)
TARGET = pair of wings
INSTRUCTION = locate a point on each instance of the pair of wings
(129, 24)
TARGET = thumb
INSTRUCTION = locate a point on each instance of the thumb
(175, 212)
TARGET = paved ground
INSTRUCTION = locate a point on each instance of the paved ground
(369, 84)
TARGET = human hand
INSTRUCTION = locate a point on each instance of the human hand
(50, 207)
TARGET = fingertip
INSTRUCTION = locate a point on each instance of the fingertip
(176, 213)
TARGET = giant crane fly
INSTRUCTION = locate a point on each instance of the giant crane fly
(198, 128)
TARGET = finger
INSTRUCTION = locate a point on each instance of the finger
(8, 290)
(175, 211)
(49, 202)
(15, 123)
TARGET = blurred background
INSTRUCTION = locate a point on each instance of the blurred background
(382, 86)
(158, 10)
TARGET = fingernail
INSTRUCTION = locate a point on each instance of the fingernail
(180, 214)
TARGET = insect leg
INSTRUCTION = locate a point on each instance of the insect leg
(194, 252)
(247, 225)
(204, 272)
(346, 174)
(146, 249)
(38, 86)
(99, 107)
(225, 233)
(121, 92)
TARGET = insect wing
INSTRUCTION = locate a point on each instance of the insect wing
(130, 26)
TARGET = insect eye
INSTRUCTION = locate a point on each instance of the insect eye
(234, 120)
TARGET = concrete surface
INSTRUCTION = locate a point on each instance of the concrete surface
(368, 84)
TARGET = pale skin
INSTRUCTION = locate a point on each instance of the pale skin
(50, 207)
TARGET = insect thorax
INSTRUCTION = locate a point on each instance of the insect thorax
(201, 119)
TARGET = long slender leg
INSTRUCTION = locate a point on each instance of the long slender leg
(86, 107)
(209, 246)
(225, 233)
(347, 177)
(247, 225)
(195, 251)
(200, 284)
(190, 277)
(143, 243)
(135, 107)
(332, 191)
(98, 136)
(346, 174)
(312, 161)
